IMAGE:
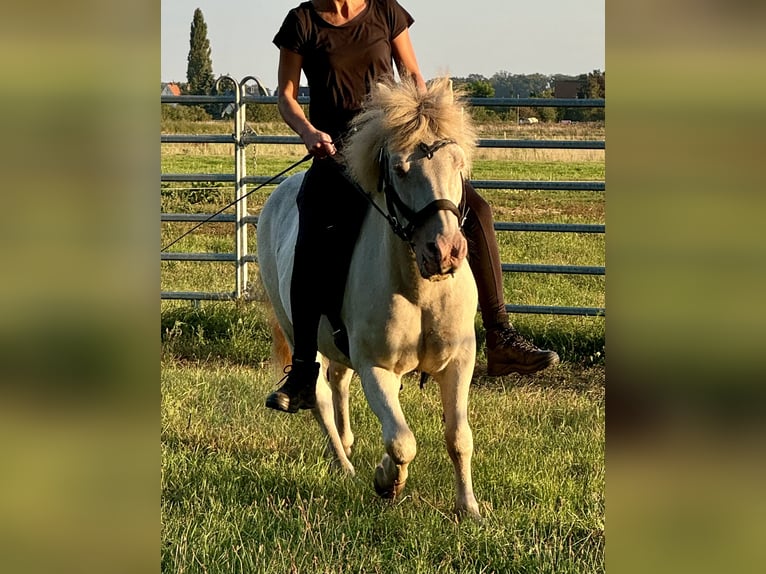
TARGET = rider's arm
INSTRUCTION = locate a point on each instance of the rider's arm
(404, 57)
(289, 75)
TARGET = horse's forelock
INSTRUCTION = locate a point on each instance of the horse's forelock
(397, 116)
(411, 117)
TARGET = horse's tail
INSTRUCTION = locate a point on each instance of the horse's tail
(280, 350)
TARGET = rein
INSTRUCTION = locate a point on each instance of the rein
(224, 208)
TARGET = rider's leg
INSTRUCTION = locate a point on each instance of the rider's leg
(507, 350)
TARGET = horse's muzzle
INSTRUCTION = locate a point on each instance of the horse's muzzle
(439, 259)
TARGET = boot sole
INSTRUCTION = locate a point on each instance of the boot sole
(283, 404)
(503, 370)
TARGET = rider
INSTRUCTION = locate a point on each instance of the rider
(343, 46)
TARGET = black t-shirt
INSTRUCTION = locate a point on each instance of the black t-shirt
(342, 62)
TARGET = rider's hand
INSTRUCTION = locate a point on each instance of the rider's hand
(318, 144)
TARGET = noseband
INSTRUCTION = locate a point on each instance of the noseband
(397, 208)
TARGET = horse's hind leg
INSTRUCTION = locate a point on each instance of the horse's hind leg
(325, 416)
(454, 387)
(381, 388)
(339, 377)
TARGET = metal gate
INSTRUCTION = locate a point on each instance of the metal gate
(239, 98)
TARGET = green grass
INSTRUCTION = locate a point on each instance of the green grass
(245, 489)
(538, 170)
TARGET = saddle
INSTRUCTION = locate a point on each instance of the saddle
(339, 334)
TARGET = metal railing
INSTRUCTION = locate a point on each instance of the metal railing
(240, 139)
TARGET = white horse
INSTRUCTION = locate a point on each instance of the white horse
(410, 299)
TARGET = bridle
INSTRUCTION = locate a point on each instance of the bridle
(397, 209)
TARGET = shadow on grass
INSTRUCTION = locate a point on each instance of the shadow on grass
(233, 332)
(239, 333)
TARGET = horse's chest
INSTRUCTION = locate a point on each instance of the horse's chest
(415, 328)
(435, 341)
(432, 332)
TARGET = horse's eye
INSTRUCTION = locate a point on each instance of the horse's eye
(400, 170)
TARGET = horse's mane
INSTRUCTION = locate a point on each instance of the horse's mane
(399, 117)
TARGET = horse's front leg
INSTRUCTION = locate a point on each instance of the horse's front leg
(454, 384)
(381, 387)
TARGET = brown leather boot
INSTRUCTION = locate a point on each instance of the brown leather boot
(509, 352)
(299, 389)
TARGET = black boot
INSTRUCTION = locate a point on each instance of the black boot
(299, 389)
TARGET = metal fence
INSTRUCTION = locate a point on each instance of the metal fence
(240, 139)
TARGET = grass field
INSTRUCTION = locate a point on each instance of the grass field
(245, 489)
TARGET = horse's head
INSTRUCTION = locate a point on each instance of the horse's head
(423, 189)
(416, 147)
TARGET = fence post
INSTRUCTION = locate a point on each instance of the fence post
(240, 192)
(240, 173)
(240, 187)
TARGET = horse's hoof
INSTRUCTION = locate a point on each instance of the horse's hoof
(470, 513)
(342, 466)
(391, 492)
(388, 492)
(469, 517)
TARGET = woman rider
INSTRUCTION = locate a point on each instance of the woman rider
(344, 47)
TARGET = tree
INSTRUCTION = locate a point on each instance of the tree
(509, 85)
(593, 87)
(199, 68)
(481, 89)
(545, 114)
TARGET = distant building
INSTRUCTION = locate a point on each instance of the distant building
(567, 88)
(254, 90)
(170, 89)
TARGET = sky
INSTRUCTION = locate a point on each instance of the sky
(483, 37)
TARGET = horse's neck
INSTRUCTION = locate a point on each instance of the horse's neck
(388, 255)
